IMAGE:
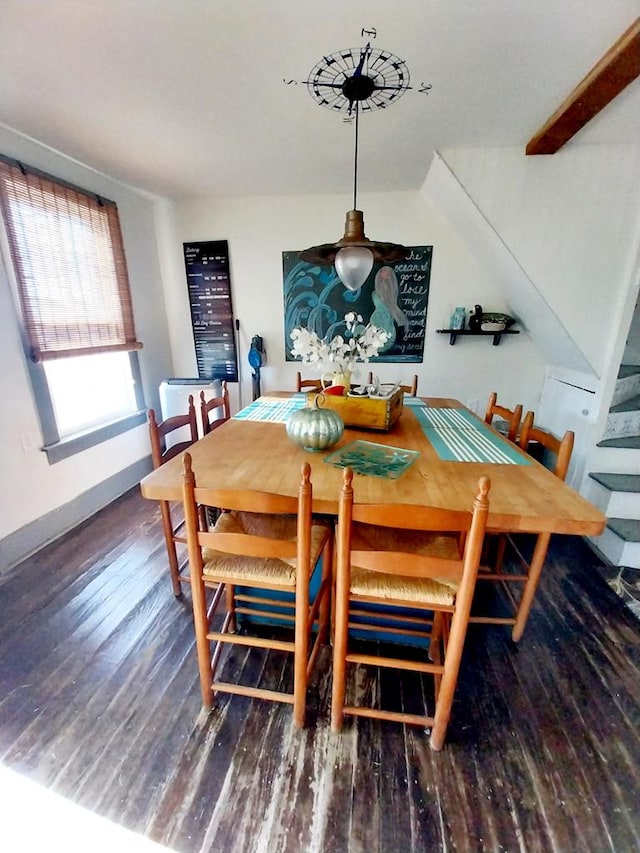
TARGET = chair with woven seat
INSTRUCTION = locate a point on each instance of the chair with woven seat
(410, 390)
(262, 545)
(210, 423)
(405, 556)
(307, 384)
(511, 416)
(173, 532)
(530, 569)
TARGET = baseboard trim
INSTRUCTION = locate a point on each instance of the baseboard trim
(32, 537)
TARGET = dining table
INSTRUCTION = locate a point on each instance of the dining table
(443, 449)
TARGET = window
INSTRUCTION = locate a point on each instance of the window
(71, 280)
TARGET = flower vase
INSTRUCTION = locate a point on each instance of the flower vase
(338, 379)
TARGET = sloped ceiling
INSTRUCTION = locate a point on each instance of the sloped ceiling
(187, 98)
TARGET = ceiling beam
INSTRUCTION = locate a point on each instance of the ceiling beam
(618, 67)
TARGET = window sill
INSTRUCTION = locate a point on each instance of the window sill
(83, 441)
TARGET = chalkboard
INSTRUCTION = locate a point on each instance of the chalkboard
(394, 297)
(209, 283)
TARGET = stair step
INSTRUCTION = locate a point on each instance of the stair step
(620, 542)
(629, 441)
(616, 551)
(618, 482)
(627, 370)
(631, 405)
(627, 529)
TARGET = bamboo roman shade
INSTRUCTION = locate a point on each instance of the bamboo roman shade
(71, 272)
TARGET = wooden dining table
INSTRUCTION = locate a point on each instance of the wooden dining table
(246, 453)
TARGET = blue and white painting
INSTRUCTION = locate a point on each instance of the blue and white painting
(394, 298)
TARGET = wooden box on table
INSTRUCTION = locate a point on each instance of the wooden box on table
(379, 413)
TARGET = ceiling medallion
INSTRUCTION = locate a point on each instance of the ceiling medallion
(369, 77)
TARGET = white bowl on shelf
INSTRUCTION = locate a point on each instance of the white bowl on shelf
(493, 326)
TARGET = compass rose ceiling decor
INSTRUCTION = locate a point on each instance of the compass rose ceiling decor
(352, 81)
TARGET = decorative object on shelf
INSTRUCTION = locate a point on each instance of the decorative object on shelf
(352, 81)
(481, 323)
(492, 326)
(497, 335)
(475, 319)
(458, 318)
(492, 319)
(315, 428)
(341, 353)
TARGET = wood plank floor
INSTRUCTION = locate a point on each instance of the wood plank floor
(99, 701)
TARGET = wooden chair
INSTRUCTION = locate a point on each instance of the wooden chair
(512, 416)
(404, 556)
(173, 533)
(411, 390)
(530, 569)
(261, 541)
(560, 448)
(309, 384)
(208, 406)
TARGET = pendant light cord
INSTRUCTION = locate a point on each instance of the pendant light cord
(355, 160)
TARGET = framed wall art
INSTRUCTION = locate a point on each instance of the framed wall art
(393, 298)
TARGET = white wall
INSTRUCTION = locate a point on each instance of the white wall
(259, 229)
(33, 487)
(572, 222)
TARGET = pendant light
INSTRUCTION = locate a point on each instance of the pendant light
(354, 254)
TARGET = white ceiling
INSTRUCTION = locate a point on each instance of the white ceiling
(186, 97)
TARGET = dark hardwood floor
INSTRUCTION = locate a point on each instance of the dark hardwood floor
(99, 701)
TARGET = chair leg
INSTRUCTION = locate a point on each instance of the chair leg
(324, 614)
(231, 607)
(340, 639)
(203, 646)
(449, 680)
(167, 528)
(300, 655)
(501, 546)
(531, 585)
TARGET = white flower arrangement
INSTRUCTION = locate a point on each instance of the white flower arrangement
(341, 353)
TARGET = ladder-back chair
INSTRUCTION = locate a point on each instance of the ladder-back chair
(411, 390)
(174, 534)
(261, 541)
(512, 416)
(404, 556)
(530, 569)
(307, 384)
(207, 407)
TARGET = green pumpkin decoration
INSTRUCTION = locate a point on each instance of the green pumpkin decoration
(314, 428)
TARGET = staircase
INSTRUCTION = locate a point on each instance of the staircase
(617, 493)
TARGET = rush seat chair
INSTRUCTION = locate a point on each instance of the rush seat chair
(174, 534)
(404, 556)
(269, 543)
(512, 416)
(411, 390)
(307, 384)
(528, 575)
(207, 407)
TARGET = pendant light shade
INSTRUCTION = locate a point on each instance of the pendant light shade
(354, 255)
(353, 265)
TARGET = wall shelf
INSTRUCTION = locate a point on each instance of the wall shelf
(453, 334)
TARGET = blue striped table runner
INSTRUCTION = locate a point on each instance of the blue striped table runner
(457, 436)
(271, 409)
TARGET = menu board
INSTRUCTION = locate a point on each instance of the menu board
(209, 283)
